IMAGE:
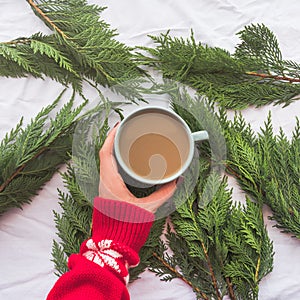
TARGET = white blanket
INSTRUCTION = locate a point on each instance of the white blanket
(26, 235)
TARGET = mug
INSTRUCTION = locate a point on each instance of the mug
(153, 145)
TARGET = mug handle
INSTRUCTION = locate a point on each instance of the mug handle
(200, 136)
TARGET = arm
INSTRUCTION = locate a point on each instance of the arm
(100, 270)
(121, 224)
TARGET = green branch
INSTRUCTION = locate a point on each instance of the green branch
(46, 19)
(180, 276)
(218, 247)
(81, 47)
(275, 77)
(255, 74)
(267, 167)
(211, 271)
(31, 155)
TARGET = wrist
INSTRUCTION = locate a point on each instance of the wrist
(119, 230)
(121, 222)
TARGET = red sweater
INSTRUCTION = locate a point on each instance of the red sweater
(100, 270)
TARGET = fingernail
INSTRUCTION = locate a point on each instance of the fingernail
(116, 124)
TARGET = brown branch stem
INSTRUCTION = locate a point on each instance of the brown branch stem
(212, 274)
(276, 77)
(232, 172)
(19, 170)
(46, 18)
(16, 42)
(230, 289)
(180, 276)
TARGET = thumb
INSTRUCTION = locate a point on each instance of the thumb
(157, 198)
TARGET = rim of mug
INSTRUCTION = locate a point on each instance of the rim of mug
(142, 179)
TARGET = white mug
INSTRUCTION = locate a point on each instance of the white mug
(162, 131)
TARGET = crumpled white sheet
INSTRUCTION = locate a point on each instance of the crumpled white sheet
(26, 235)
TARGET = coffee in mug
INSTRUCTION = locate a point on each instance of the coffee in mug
(154, 145)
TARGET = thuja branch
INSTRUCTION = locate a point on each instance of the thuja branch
(17, 41)
(231, 171)
(217, 248)
(235, 80)
(211, 271)
(266, 165)
(31, 155)
(77, 203)
(230, 288)
(20, 169)
(180, 276)
(257, 268)
(81, 47)
(47, 20)
(275, 77)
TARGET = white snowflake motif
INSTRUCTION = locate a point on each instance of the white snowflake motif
(102, 254)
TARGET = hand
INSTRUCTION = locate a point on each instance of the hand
(113, 187)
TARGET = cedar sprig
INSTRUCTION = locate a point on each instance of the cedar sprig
(81, 179)
(255, 74)
(266, 166)
(30, 155)
(212, 239)
(152, 245)
(218, 249)
(260, 47)
(81, 48)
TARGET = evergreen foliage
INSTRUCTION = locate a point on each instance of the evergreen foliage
(82, 47)
(221, 248)
(30, 155)
(255, 74)
(81, 180)
(267, 167)
(213, 245)
(73, 225)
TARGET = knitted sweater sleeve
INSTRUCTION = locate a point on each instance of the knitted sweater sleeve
(100, 269)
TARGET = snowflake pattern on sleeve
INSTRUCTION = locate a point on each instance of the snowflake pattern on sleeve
(115, 256)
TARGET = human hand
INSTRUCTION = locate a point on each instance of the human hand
(112, 186)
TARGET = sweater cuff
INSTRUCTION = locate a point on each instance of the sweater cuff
(121, 222)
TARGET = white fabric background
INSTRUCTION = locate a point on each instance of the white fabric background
(26, 235)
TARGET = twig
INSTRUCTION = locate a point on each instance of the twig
(232, 172)
(180, 276)
(212, 274)
(229, 284)
(20, 169)
(276, 77)
(257, 269)
(46, 18)
(230, 289)
(17, 41)
(57, 29)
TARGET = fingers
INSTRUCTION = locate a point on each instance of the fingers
(108, 146)
(111, 184)
(164, 193)
(157, 198)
